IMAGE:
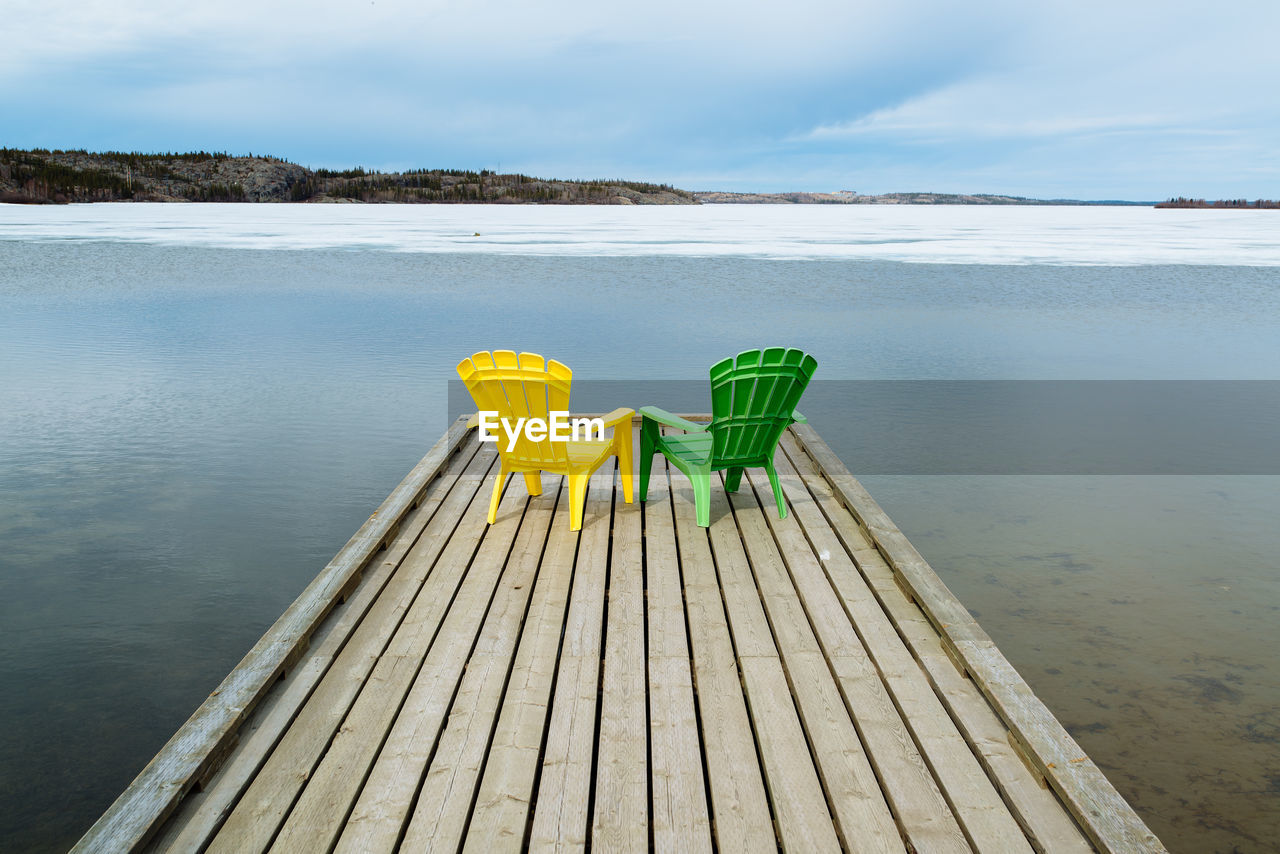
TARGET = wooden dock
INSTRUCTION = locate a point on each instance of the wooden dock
(644, 684)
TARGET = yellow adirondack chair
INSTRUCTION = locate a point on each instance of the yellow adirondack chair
(528, 386)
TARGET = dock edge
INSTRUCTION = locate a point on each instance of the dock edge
(1106, 817)
(196, 750)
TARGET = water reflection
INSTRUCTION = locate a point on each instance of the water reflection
(188, 434)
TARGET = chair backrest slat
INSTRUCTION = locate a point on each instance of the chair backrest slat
(523, 386)
(753, 397)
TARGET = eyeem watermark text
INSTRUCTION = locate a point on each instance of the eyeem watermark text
(558, 428)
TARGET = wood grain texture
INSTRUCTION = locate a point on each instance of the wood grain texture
(817, 664)
(620, 820)
(1037, 809)
(739, 802)
(800, 807)
(562, 818)
(681, 821)
(387, 795)
(404, 726)
(1109, 820)
(803, 683)
(935, 765)
(444, 805)
(498, 815)
(202, 813)
(355, 698)
(157, 790)
(255, 818)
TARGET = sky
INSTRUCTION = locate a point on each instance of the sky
(1125, 99)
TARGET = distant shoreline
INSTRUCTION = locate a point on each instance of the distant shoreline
(849, 197)
(1222, 204)
(41, 176)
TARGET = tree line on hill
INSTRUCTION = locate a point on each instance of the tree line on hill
(1184, 202)
(44, 176)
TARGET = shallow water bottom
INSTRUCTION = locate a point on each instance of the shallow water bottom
(1143, 611)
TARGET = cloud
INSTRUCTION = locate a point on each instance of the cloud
(1103, 69)
(1109, 101)
(747, 35)
(819, 94)
(976, 110)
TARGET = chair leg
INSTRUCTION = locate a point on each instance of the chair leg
(701, 481)
(648, 445)
(497, 492)
(622, 446)
(777, 490)
(732, 479)
(533, 482)
(577, 499)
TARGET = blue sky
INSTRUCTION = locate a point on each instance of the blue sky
(1137, 100)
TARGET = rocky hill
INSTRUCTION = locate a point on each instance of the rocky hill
(41, 176)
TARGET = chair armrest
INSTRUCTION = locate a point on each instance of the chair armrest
(618, 416)
(666, 419)
(797, 418)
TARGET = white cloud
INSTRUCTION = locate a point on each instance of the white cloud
(808, 34)
(975, 110)
(1100, 69)
(826, 94)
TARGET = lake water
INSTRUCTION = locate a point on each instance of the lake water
(200, 404)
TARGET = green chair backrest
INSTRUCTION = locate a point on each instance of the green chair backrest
(753, 397)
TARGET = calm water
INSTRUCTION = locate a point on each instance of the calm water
(200, 404)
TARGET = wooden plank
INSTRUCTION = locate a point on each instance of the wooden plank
(854, 795)
(969, 796)
(777, 732)
(799, 805)
(561, 818)
(1109, 820)
(402, 707)
(188, 755)
(255, 818)
(384, 804)
(680, 818)
(667, 636)
(938, 602)
(803, 821)
(741, 815)
(621, 813)
(1037, 809)
(202, 813)
(444, 805)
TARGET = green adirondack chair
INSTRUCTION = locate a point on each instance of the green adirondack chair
(753, 400)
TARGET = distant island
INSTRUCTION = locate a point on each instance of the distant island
(40, 176)
(849, 197)
(1221, 204)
